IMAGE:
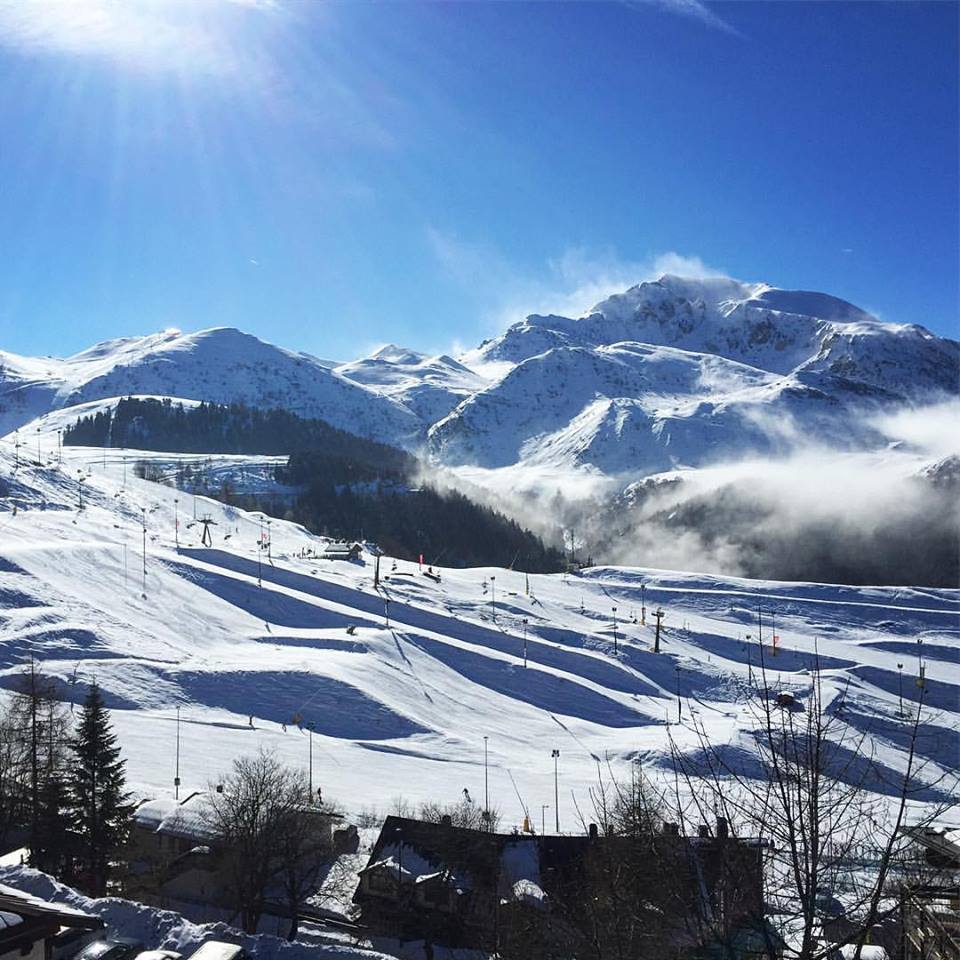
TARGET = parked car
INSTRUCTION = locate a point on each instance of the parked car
(219, 950)
(119, 948)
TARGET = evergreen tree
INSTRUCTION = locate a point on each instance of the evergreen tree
(99, 807)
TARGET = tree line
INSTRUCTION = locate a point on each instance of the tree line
(349, 487)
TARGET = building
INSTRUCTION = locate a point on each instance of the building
(175, 859)
(33, 929)
(930, 900)
(534, 896)
(342, 550)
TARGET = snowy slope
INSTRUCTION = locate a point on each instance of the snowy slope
(220, 365)
(404, 709)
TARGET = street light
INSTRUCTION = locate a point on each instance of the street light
(544, 807)
(486, 780)
(556, 786)
(900, 685)
(176, 775)
(614, 629)
(524, 643)
(176, 522)
(493, 597)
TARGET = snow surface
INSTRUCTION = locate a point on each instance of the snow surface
(403, 710)
(166, 930)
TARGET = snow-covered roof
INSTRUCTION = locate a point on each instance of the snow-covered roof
(184, 819)
(8, 920)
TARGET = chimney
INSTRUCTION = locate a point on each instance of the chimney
(703, 831)
(594, 833)
(671, 829)
(723, 829)
(446, 820)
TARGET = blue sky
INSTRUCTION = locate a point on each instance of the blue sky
(335, 176)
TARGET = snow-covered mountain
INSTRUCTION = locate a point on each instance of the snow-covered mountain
(679, 372)
(671, 373)
(429, 386)
(220, 365)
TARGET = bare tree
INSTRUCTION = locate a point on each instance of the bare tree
(829, 817)
(14, 776)
(268, 833)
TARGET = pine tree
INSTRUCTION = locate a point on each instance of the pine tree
(100, 811)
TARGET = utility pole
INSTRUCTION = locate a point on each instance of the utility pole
(524, 643)
(614, 630)
(176, 776)
(259, 552)
(486, 781)
(556, 786)
(656, 637)
(310, 775)
(143, 520)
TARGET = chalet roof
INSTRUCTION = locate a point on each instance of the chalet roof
(17, 906)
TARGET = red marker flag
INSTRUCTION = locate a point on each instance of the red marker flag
(421, 561)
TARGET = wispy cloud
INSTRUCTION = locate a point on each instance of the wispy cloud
(692, 10)
(569, 284)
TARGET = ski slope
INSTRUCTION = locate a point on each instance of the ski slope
(255, 650)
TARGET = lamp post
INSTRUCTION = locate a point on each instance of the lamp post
(260, 555)
(614, 609)
(176, 522)
(269, 541)
(493, 597)
(556, 786)
(59, 447)
(486, 780)
(176, 775)
(643, 604)
(544, 807)
(900, 686)
(38, 446)
(524, 643)
(310, 768)
(679, 704)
